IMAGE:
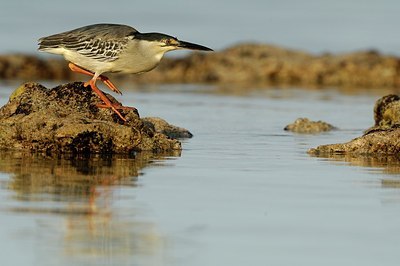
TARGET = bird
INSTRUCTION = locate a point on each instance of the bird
(101, 48)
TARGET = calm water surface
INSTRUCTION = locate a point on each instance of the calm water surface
(243, 191)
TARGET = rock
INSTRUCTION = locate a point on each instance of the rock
(383, 138)
(255, 64)
(383, 110)
(29, 67)
(304, 125)
(386, 114)
(379, 142)
(161, 126)
(66, 119)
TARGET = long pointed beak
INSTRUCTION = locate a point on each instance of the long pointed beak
(193, 46)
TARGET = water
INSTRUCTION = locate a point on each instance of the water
(312, 25)
(243, 191)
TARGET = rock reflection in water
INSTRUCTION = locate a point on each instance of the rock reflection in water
(388, 165)
(83, 192)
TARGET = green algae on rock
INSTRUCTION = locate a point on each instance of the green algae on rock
(66, 119)
(306, 126)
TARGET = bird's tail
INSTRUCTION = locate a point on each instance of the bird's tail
(50, 42)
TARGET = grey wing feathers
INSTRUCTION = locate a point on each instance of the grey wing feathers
(103, 42)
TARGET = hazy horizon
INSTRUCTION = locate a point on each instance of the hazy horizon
(313, 26)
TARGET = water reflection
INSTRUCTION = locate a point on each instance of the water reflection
(387, 164)
(384, 164)
(91, 200)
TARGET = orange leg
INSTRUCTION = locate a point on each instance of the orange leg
(92, 83)
(105, 80)
(118, 107)
(108, 103)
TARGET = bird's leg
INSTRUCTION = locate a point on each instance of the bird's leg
(105, 80)
(117, 106)
(108, 103)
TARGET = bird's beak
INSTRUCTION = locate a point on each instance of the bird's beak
(192, 46)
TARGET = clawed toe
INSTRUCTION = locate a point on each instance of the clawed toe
(116, 106)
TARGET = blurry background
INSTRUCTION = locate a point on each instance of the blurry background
(311, 25)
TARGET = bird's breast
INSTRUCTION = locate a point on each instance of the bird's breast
(137, 59)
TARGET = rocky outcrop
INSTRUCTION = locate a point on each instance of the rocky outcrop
(381, 139)
(66, 119)
(306, 126)
(376, 143)
(245, 63)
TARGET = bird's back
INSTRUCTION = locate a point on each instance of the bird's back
(105, 32)
(102, 42)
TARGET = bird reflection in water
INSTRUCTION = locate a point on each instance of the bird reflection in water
(91, 200)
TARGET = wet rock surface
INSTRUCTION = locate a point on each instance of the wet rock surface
(306, 126)
(159, 125)
(381, 139)
(378, 143)
(66, 119)
(250, 64)
(387, 112)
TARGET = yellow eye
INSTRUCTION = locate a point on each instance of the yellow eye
(169, 42)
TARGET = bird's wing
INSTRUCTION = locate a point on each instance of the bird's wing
(102, 50)
(103, 42)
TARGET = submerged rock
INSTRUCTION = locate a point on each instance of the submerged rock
(304, 125)
(382, 138)
(66, 119)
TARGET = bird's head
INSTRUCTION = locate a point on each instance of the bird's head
(167, 43)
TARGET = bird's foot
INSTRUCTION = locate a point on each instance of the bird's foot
(117, 106)
(107, 103)
(114, 107)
